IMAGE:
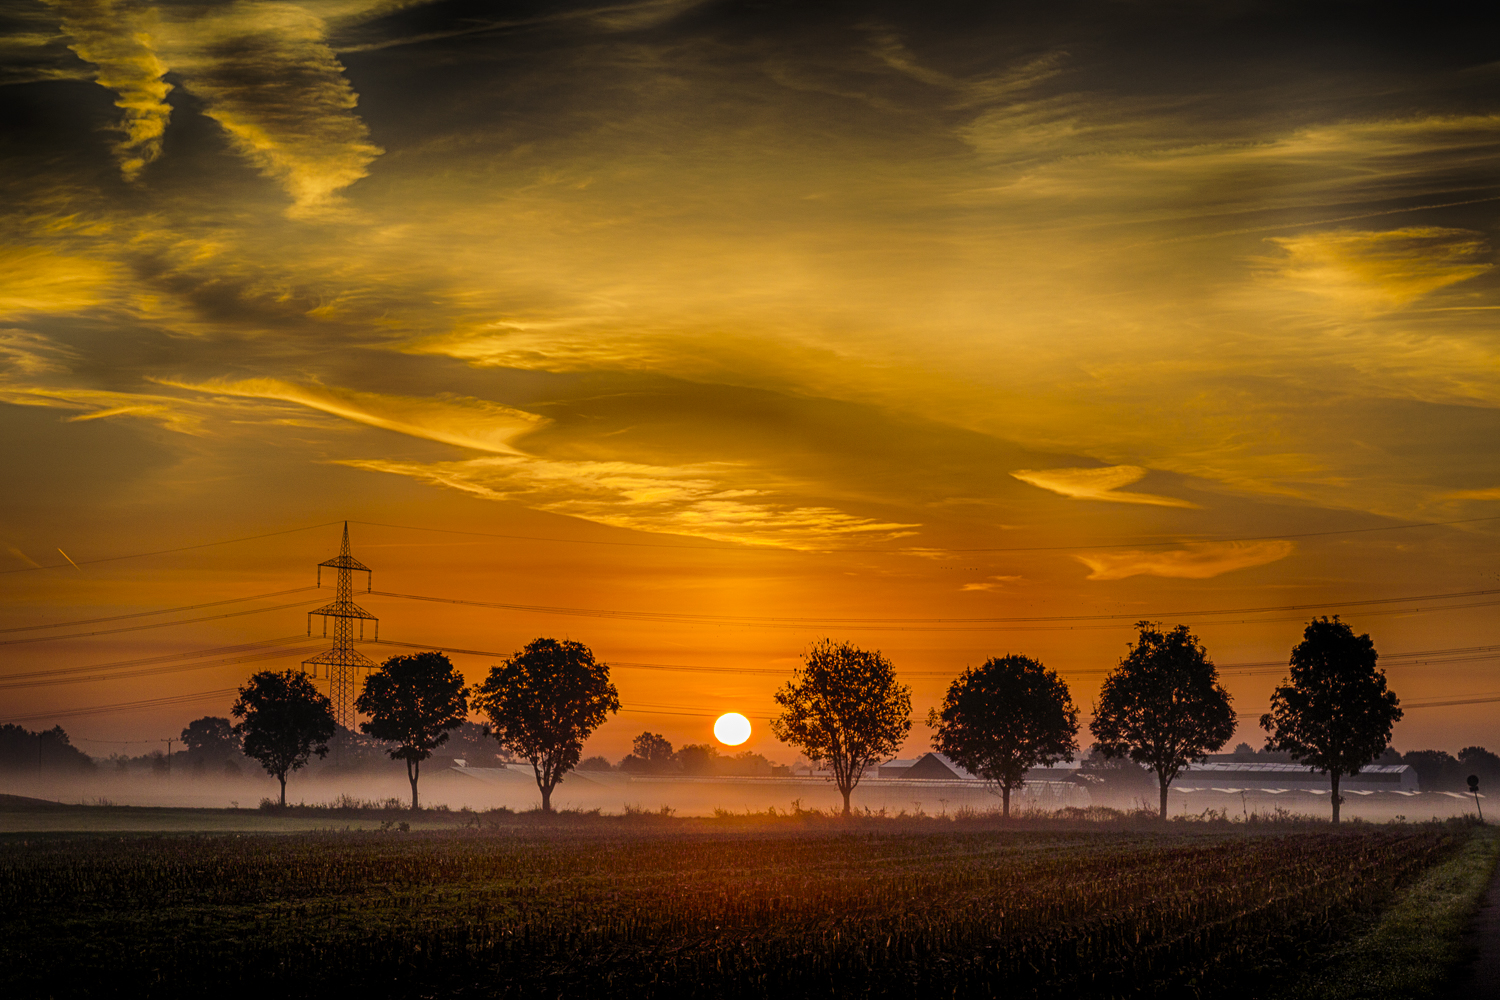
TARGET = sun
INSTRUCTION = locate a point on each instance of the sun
(732, 729)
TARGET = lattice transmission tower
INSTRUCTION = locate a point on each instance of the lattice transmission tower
(340, 663)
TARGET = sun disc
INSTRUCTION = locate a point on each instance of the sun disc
(732, 729)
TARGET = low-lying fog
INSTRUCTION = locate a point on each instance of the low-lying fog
(513, 787)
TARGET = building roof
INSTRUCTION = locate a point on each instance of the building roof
(1224, 766)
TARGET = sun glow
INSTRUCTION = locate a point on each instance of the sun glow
(732, 729)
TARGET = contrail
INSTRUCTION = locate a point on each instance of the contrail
(70, 560)
(24, 557)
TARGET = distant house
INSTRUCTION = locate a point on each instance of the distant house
(1246, 776)
(894, 768)
(928, 767)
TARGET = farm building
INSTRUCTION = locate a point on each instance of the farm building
(1243, 776)
(928, 767)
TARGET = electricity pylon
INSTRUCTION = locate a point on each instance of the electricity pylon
(339, 664)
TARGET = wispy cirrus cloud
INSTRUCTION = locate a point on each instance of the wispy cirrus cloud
(1097, 484)
(463, 422)
(706, 500)
(118, 38)
(1377, 271)
(700, 501)
(38, 280)
(269, 78)
(990, 583)
(1198, 561)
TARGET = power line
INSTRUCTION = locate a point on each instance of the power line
(125, 706)
(137, 628)
(949, 624)
(749, 547)
(143, 661)
(163, 552)
(271, 654)
(1474, 653)
(162, 611)
(167, 657)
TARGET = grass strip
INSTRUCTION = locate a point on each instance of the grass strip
(1416, 945)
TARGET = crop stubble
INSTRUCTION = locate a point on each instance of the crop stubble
(592, 913)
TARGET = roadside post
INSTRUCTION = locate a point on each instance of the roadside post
(1474, 790)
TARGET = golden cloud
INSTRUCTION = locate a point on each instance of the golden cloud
(31, 354)
(1379, 271)
(460, 421)
(40, 281)
(269, 78)
(683, 500)
(1097, 484)
(1198, 561)
(990, 583)
(165, 411)
(118, 39)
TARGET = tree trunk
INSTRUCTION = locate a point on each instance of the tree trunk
(282, 778)
(1336, 800)
(1164, 784)
(542, 784)
(412, 769)
(1005, 801)
(846, 790)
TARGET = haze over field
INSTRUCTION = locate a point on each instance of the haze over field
(867, 315)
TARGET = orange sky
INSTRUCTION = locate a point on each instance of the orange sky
(845, 315)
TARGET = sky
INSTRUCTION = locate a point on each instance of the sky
(700, 331)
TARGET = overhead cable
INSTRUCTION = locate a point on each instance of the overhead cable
(163, 552)
(137, 628)
(751, 547)
(160, 611)
(190, 654)
(1019, 623)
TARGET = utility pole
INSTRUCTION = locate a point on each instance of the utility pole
(169, 741)
(339, 664)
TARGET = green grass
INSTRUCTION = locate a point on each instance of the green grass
(598, 907)
(1416, 944)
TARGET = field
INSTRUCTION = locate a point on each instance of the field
(638, 907)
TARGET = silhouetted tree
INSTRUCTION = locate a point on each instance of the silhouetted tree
(1334, 712)
(284, 721)
(844, 708)
(1163, 706)
(1117, 776)
(1481, 763)
(543, 702)
(699, 759)
(413, 701)
(210, 738)
(1436, 769)
(651, 754)
(1004, 718)
(47, 749)
(595, 763)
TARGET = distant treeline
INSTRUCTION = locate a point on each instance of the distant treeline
(212, 751)
(652, 754)
(47, 750)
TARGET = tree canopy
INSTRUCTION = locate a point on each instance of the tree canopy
(1001, 719)
(211, 736)
(1333, 712)
(1163, 706)
(284, 721)
(543, 702)
(48, 749)
(651, 753)
(844, 708)
(414, 701)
